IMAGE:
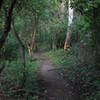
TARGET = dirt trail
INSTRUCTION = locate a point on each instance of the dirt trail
(52, 85)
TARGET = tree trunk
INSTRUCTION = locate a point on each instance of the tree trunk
(30, 54)
(29, 45)
(3, 60)
(63, 9)
(1, 2)
(23, 53)
(29, 48)
(68, 35)
(7, 24)
(53, 44)
(33, 39)
(40, 37)
(68, 40)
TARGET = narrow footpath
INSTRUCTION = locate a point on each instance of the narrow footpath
(52, 84)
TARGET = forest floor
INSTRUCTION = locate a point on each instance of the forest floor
(52, 84)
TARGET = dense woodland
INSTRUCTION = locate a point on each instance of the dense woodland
(66, 32)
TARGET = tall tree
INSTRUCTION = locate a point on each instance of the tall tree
(70, 20)
(7, 23)
(31, 45)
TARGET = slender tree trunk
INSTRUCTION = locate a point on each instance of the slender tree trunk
(3, 58)
(7, 24)
(29, 45)
(63, 9)
(68, 40)
(40, 37)
(68, 35)
(33, 40)
(31, 54)
(53, 43)
(1, 2)
(29, 48)
(23, 52)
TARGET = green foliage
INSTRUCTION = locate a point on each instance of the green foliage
(89, 9)
(12, 50)
(52, 29)
(32, 77)
(14, 76)
(81, 31)
(86, 78)
(62, 57)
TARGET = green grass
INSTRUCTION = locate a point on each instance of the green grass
(84, 77)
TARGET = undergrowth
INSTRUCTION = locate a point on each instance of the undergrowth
(12, 76)
(85, 77)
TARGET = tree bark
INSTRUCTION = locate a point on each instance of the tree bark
(3, 61)
(34, 33)
(33, 39)
(68, 40)
(68, 35)
(7, 24)
(29, 45)
(23, 52)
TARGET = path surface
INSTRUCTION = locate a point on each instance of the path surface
(53, 86)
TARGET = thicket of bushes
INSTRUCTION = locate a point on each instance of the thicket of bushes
(85, 77)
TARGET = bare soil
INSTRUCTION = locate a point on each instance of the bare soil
(52, 84)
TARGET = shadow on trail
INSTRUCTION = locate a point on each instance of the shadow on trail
(52, 84)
